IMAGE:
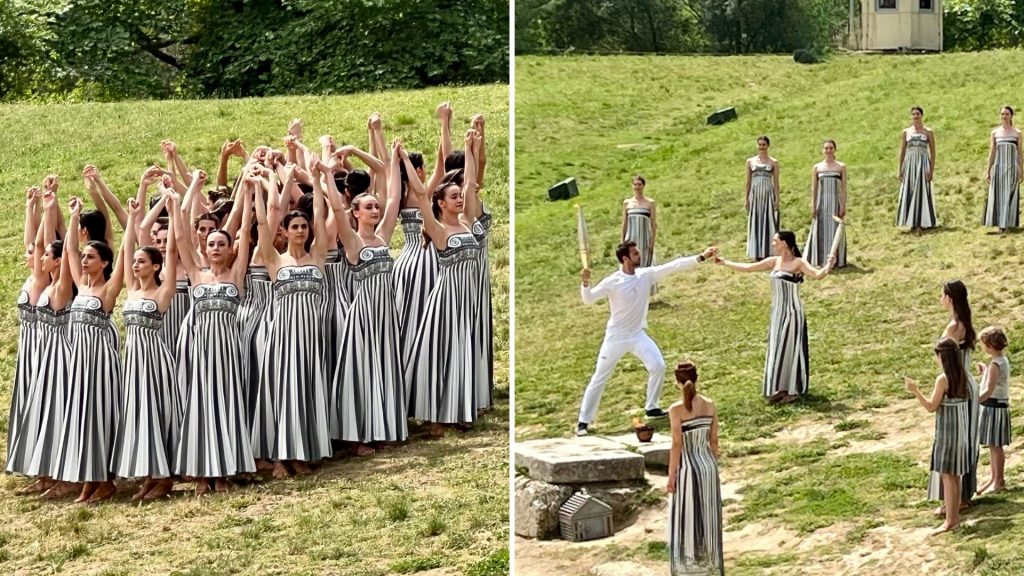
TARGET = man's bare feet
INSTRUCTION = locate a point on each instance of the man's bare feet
(160, 489)
(87, 489)
(364, 450)
(104, 491)
(301, 468)
(280, 470)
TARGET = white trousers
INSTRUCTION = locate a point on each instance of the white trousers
(612, 350)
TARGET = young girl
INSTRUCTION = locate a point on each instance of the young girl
(950, 450)
(994, 429)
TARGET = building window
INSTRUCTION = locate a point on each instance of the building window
(886, 4)
(925, 5)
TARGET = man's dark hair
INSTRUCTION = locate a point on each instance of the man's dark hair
(622, 252)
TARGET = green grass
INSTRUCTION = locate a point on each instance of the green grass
(869, 324)
(358, 516)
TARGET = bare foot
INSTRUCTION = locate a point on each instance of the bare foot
(789, 399)
(222, 485)
(86, 493)
(301, 468)
(60, 490)
(161, 489)
(364, 450)
(994, 488)
(264, 465)
(38, 486)
(280, 471)
(775, 398)
(104, 491)
(946, 527)
(436, 430)
(146, 487)
(202, 486)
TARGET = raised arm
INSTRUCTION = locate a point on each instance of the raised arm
(97, 200)
(32, 219)
(349, 239)
(265, 239)
(227, 150)
(386, 227)
(242, 259)
(111, 200)
(481, 149)
(318, 250)
(170, 270)
(174, 161)
(146, 226)
(432, 227)
(444, 145)
(72, 253)
(127, 253)
(472, 207)
(181, 228)
(374, 164)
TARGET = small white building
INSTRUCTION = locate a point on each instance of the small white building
(896, 25)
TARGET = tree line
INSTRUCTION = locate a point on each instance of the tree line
(118, 49)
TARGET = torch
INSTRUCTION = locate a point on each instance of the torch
(582, 238)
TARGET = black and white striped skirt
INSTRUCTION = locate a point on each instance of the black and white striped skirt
(994, 428)
(951, 450)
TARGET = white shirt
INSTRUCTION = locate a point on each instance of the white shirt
(629, 295)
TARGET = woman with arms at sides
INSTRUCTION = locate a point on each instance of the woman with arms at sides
(640, 222)
(1004, 173)
(950, 458)
(828, 199)
(960, 329)
(215, 438)
(92, 409)
(786, 367)
(368, 394)
(917, 162)
(762, 201)
(695, 517)
(445, 365)
(152, 399)
(291, 424)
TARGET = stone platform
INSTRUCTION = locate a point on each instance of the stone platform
(578, 460)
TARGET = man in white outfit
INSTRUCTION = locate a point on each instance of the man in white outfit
(628, 292)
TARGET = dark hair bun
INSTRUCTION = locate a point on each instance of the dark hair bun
(686, 372)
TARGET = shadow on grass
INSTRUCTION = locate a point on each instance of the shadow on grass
(907, 233)
(852, 270)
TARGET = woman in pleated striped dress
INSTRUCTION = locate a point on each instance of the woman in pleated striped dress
(92, 407)
(443, 368)
(1004, 174)
(762, 201)
(994, 429)
(368, 394)
(31, 289)
(151, 399)
(639, 222)
(960, 328)
(695, 517)
(950, 451)
(215, 443)
(917, 162)
(293, 387)
(484, 331)
(416, 266)
(786, 368)
(828, 199)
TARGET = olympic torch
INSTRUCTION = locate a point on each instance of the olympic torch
(839, 237)
(582, 238)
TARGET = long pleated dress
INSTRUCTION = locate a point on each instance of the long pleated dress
(638, 229)
(93, 405)
(483, 332)
(788, 359)
(254, 315)
(444, 365)
(415, 275)
(916, 207)
(824, 227)
(294, 372)
(336, 303)
(24, 372)
(176, 315)
(368, 394)
(214, 433)
(969, 479)
(695, 521)
(1002, 208)
(151, 399)
(951, 447)
(763, 218)
(39, 433)
(994, 425)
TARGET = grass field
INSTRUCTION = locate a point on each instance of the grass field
(439, 507)
(837, 461)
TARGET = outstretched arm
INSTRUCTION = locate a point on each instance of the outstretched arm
(766, 264)
(932, 403)
(817, 273)
(679, 264)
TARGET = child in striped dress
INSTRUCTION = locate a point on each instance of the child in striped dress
(994, 427)
(950, 450)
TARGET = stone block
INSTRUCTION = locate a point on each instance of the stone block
(578, 460)
(621, 569)
(655, 452)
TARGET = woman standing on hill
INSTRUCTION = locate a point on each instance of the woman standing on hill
(1004, 174)
(786, 367)
(762, 201)
(695, 518)
(640, 223)
(917, 162)
(828, 199)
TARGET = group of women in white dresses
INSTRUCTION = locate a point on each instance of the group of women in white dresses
(296, 336)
